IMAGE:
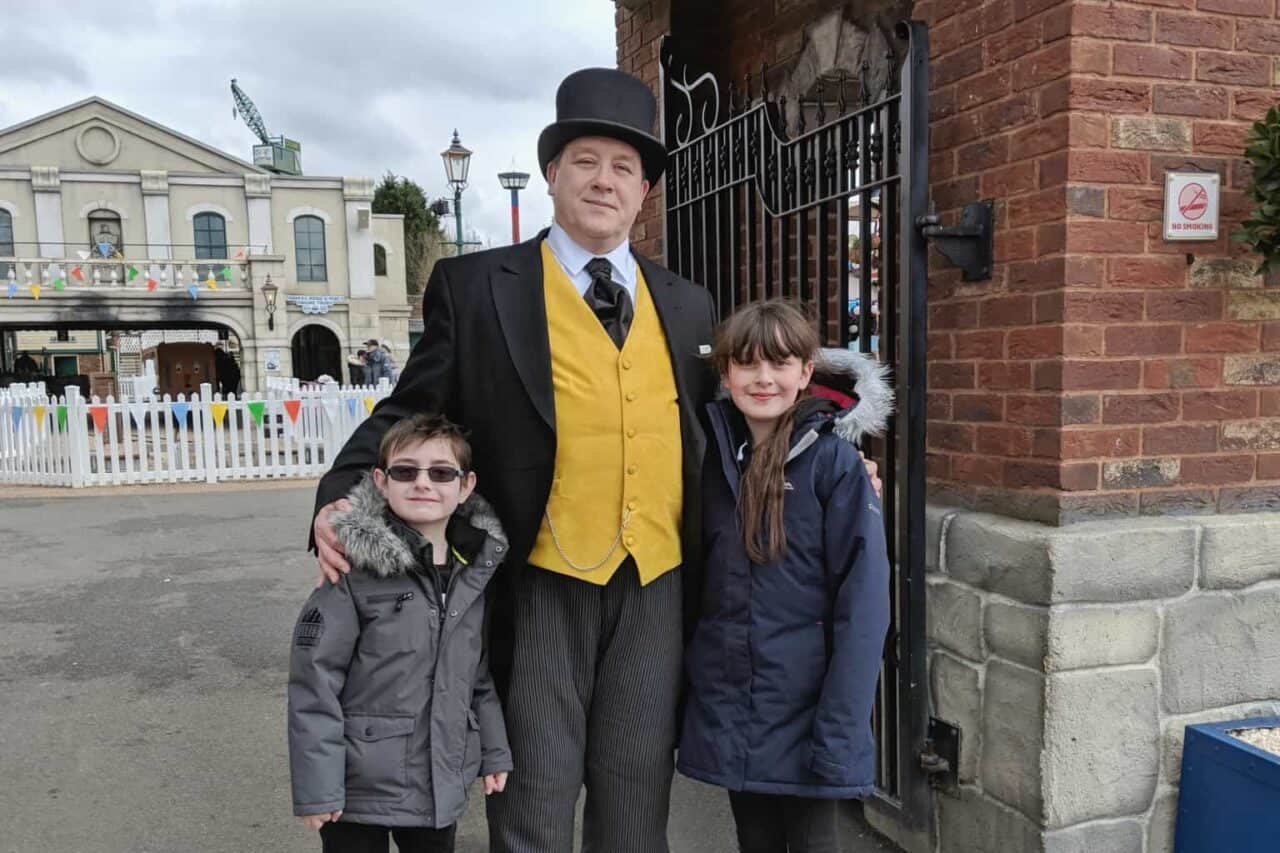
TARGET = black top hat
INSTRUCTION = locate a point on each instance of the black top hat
(605, 102)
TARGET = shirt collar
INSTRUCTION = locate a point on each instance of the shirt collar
(574, 258)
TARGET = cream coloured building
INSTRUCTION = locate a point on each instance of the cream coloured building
(110, 221)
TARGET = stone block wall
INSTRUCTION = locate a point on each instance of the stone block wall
(1073, 658)
(1103, 371)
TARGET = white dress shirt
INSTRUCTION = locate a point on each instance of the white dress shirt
(573, 260)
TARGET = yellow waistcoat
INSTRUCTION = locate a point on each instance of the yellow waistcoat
(618, 444)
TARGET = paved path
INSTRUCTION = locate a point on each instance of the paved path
(143, 650)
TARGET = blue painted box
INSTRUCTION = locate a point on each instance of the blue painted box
(1230, 793)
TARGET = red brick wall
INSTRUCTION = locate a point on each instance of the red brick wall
(1102, 371)
(639, 36)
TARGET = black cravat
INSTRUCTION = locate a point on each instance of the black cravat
(609, 300)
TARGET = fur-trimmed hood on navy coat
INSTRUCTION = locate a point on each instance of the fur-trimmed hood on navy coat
(783, 664)
(392, 711)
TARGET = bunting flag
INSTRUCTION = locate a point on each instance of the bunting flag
(211, 282)
(330, 407)
(180, 410)
(17, 416)
(99, 415)
(138, 411)
(104, 249)
(368, 405)
(193, 289)
(225, 272)
(292, 407)
(219, 411)
(132, 272)
(84, 256)
(35, 291)
(62, 417)
(13, 289)
(40, 410)
(76, 272)
(59, 284)
(240, 255)
(256, 408)
(152, 284)
(351, 406)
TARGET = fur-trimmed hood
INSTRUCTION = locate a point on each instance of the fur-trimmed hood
(858, 375)
(374, 547)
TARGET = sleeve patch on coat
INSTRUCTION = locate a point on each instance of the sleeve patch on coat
(310, 627)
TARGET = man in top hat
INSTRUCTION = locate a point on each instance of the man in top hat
(579, 368)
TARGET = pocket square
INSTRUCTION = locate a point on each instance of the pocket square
(704, 349)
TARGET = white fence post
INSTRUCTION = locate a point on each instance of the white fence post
(206, 424)
(77, 435)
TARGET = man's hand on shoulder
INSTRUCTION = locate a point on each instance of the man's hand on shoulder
(873, 471)
(329, 551)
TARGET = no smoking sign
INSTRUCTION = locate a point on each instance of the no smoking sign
(1191, 205)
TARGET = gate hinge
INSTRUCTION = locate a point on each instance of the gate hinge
(940, 759)
(968, 245)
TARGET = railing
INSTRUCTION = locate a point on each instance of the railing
(22, 276)
(71, 441)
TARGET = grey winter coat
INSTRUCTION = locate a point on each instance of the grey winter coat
(392, 712)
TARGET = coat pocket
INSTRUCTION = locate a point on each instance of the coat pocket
(471, 758)
(377, 753)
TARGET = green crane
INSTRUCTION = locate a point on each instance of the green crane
(278, 154)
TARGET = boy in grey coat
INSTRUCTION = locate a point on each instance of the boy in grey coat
(392, 712)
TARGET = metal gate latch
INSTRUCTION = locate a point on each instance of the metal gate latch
(968, 245)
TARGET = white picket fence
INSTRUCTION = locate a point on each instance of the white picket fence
(71, 441)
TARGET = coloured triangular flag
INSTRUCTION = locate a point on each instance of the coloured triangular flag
(139, 413)
(35, 292)
(104, 248)
(211, 282)
(330, 407)
(180, 410)
(152, 284)
(132, 272)
(351, 406)
(219, 411)
(225, 272)
(39, 411)
(240, 254)
(255, 409)
(84, 256)
(17, 416)
(59, 284)
(13, 289)
(193, 289)
(62, 417)
(368, 404)
(76, 272)
(99, 415)
(292, 407)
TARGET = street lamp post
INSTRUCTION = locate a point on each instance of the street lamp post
(457, 160)
(514, 181)
(269, 293)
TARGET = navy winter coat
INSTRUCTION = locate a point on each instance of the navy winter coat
(783, 665)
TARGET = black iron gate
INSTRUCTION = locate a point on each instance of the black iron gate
(756, 208)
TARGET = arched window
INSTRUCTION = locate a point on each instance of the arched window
(308, 243)
(6, 235)
(379, 260)
(211, 242)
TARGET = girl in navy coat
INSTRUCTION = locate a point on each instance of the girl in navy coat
(783, 664)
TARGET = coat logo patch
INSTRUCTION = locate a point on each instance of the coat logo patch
(310, 627)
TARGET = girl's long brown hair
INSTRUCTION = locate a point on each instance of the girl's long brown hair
(773, 331)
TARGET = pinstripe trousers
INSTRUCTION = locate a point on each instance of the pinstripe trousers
(595, 680)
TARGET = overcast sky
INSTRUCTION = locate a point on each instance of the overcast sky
(366, 87)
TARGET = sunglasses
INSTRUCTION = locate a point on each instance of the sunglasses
(435, 473)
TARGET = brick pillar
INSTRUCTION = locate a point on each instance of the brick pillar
(639, 36)
(1103, 371)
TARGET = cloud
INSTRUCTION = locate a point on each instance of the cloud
(366, 88)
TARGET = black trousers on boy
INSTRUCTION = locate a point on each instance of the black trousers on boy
(775, 823)
(363, 838)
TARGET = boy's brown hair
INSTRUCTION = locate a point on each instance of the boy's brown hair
(419, 428)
